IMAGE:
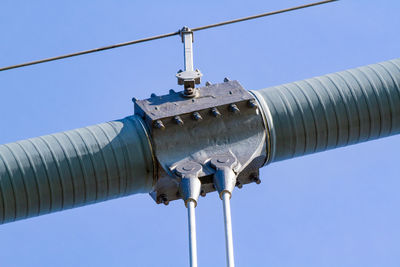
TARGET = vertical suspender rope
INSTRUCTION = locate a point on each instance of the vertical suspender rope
(192, 233)
(228, 229)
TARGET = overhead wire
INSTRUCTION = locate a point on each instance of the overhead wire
(162, 36)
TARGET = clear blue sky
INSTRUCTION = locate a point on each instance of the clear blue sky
(336, 208)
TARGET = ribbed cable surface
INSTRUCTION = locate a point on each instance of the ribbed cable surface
(74, 168)
(334, 110)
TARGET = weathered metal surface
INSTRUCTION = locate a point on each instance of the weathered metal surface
(223, 119)
(334, 110)
(74, 168)
(166, 107)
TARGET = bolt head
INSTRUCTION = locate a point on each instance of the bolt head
(159, 124)
(215, 112)
(197, 116)
(233, 108)
(252, 103)
(178, 120)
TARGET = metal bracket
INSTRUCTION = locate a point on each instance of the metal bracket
(190, 185)
(224, 177)
(189, 77)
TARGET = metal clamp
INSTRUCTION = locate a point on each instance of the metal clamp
(190, 184)
(223, 120)
(224, 177)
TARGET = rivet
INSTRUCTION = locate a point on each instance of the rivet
(226, 79)
(197, 116)
(159, 124)
(202, 193)
(178, 120)
(252, 103)
(233, 108)
(215, 112)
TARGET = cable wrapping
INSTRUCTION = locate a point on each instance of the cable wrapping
(333, 110)
(74, 168)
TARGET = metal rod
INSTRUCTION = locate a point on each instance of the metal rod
(191, 204)
(187, 38)
(228, 229)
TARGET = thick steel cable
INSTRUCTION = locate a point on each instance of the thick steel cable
(162, 36)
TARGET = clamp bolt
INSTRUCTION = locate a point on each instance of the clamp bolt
(159, 125)
(215, 112)
(252, 103)
(197, 116)
(255, 178)
(178, 120)
(233, 108)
